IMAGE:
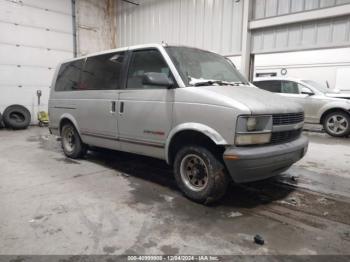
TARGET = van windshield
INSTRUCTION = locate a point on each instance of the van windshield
(199, 67)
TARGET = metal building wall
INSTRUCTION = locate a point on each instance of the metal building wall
(209, 24)
(327, 33)
(95, 25)
(271, 8)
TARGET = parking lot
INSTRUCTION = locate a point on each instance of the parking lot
(117, 203)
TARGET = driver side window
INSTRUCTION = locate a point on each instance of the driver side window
(145, 61)
(305, 90)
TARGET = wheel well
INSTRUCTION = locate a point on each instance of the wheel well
(190, 137)
(63, 122)
(332, 111)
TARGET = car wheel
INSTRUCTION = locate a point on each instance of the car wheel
(72, 145)
(200, 175)
(337, 124)
(16, 117)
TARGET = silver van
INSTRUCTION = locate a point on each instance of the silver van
(187, 106)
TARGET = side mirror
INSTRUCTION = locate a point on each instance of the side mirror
(157, 79)
(307, 91)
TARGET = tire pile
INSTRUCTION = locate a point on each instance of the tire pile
(1, 123)
(15, 117)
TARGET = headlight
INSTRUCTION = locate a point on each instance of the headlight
(252, 139)
(251, 124)
(253, 130)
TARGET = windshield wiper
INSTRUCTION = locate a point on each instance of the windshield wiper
(211, 82)
(208, 82)
(217, 82)
(240, 83)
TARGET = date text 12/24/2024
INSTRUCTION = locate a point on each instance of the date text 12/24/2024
(173, 258)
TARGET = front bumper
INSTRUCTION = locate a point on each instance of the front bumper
(247, 164)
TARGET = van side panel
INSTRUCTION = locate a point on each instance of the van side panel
(64, 102)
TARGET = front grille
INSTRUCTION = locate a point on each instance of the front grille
(284, 136)
(287, 119)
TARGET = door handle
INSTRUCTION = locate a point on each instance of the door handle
(113, 106)
(121, 109)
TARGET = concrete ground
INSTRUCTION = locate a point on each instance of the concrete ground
(117, 203)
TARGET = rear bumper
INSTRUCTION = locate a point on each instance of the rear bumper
(257, 163)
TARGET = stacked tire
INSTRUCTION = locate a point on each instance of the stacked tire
(1, 123)
(16, 117)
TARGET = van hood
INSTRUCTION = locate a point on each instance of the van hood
(256, 100)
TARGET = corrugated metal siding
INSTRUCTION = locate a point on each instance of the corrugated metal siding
(316, 34)
(269, 8)
(209, 24)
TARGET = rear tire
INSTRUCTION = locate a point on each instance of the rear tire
(337, 124)
(72, 145)
(200, 175)
(16, 117)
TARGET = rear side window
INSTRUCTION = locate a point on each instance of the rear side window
(68, 76)
(289, 87)
(102, 72)
(142, 62)
(272, 86)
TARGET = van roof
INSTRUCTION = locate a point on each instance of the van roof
(112, 50)
(135, 47)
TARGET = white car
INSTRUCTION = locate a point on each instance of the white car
(320, 105)
(328, 92)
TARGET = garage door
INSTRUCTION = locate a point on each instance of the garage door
(35, 36)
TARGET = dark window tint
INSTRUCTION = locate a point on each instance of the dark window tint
(272, 86)
(68, 76)
(102, 72)
(289, 87)
(267, 74)
(142, 62)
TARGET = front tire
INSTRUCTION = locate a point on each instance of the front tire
(72, 145)
(337, 124)
(200, 175)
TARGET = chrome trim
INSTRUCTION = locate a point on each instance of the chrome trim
(126, 140)
(64, 107)
(254, 132)
(99, 136)
(142, 142)
(287, 127)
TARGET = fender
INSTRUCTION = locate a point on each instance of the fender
(205, 130)
(71, 118)
(343, 105)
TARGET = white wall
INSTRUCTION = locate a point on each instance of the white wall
(332, 65)
(34, 36)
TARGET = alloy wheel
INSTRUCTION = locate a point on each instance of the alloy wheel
(337, 124)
